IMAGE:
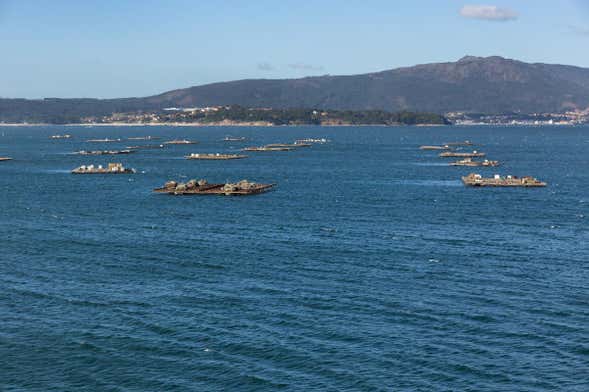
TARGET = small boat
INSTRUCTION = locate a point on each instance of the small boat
(181, 142)
(66, 136)
(113, 168)
(453, 154)
(476, 180)
(106, 140)
(216, 156)
(2, 159)
(104, 152)
(470, 162)
(202, 187)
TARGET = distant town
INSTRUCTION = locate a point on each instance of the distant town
(236, 115)
(566, 118)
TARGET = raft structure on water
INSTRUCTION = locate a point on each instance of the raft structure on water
(454, 154)
(104, 152)
(106, 140)
(444, 147)
(476, 180)
(113, 168)
(181, 142)
(216, 156)
(144, 138)
(464, 143)
(311, 141)
(202, 187)
(234, 139)
(145, 147)
(267, 148)
(288, 145)
(470, 162)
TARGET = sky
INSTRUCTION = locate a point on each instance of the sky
(125, 48)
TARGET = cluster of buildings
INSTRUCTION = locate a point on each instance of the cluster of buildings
(566, 118)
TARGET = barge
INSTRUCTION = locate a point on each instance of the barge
(202, 187)
(216, 156)
(105, 152)
(470, 162)
(453, 154)
(477, 180)
(444, 147)
(113, 168)
(182, 142)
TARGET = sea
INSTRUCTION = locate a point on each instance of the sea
(369, 267)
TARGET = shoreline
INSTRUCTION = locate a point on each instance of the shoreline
(213, 125)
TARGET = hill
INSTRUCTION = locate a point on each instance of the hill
(472, 84)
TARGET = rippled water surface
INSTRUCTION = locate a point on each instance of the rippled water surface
(370, 267)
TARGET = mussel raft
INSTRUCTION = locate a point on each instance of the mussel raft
(202, 187)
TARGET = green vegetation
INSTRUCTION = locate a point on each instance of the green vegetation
(303, 117)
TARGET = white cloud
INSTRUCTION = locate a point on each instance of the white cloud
(488, 12)
(305, 67)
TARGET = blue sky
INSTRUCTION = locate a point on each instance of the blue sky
(118, 48)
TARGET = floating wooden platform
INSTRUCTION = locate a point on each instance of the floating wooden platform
(287, 145)
(464, 143)
(454, 154)
(213, 157)
(266, 148)
(181, 142)
(434, 147)
(107, 140)
(105, 152)
(477, 180)
(113, 168)
(145, 147)
(202, 187)
(470, 162)
(144, 138)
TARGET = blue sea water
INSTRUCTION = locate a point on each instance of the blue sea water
(369, 268)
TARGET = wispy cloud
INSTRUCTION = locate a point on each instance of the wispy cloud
(266, 66)
(305, 67)
(488, 12)
(579, 30)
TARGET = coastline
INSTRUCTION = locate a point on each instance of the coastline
(216, 124)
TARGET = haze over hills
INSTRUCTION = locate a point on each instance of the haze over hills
(472, 84)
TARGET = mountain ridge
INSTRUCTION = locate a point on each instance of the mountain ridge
(472, 84)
